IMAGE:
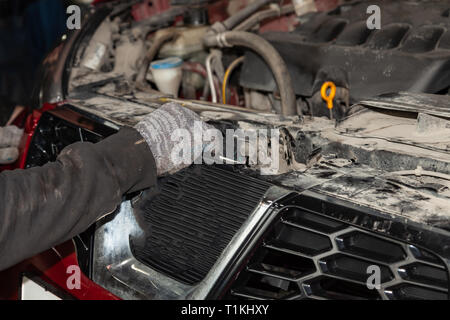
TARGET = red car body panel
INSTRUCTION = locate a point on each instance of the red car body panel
(50, 266)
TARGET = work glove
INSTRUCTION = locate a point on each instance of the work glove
(162, 129)
(10, 137)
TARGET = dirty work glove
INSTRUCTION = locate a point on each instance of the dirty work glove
(10, 137)
(158, 130)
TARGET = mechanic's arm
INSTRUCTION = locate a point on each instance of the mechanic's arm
(45, 206)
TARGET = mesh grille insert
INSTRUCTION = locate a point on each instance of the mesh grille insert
(191, 221)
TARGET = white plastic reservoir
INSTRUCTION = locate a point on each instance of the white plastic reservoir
(167, 74)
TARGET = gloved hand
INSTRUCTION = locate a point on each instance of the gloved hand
(10, 137)
(158, 129)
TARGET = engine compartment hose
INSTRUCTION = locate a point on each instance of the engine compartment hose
(271, 56)
(243, 14)
(152, 53)
(260, 16)
(228, 73)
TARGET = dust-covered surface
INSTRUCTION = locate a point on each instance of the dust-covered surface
(371, 188)
(119, 112)
(432, 104)
(419, 199)
(368, 158)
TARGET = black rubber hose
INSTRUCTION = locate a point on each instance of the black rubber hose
(262, 15)
(243, 14)
(271, 56)
(152, 53)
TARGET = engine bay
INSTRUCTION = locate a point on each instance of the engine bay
(364, 182)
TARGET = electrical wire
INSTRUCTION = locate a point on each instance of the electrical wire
(210, 76)
(230, 69)
(269, 54)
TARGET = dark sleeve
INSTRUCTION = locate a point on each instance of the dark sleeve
(45, 206)
(6, 109)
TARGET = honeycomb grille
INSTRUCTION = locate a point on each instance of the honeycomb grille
(306, 255)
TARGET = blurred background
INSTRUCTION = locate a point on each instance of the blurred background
(29, 29)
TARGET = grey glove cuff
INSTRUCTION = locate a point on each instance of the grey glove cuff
(8, 155)
(158, 130)
(10, 136)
